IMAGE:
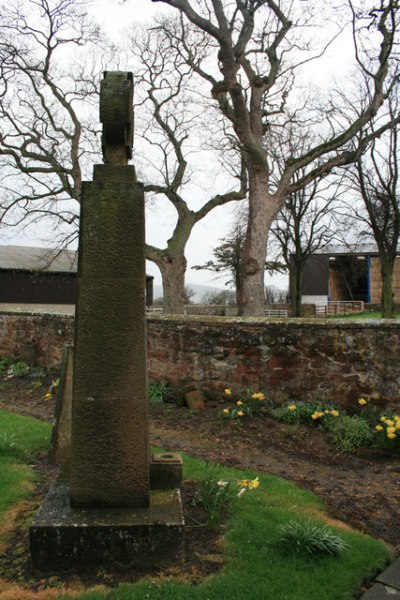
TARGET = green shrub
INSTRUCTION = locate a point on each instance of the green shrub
(4, 365)
(350, 433)
(156, 392)
(306, 537)
(18, 369)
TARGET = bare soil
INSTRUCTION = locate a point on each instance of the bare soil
(362, 489)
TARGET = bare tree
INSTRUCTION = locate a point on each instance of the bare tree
(305, 224)
(251, 74)
(375, 178)
(171, 134)
(44, 134)
(49, 124)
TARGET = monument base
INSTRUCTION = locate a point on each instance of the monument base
(61, 536)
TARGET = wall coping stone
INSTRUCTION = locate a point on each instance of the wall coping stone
(287, 322)
(221, 321)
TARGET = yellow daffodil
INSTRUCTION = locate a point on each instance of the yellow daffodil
(292, 407)
(257, 396)
(327, 412)
(382, 419)
(47, 396)
(396, 418)
(391, 429)
(334, 413)
(389, 423)
(228, 392)
(239, 403)
(317, 415)
(243, 483)
(362, 401)
(240, 413)
(226, 411)
(379, 428)
(254, 484)
(391, 436)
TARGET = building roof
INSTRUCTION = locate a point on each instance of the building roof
(27, 258)
(347, 249)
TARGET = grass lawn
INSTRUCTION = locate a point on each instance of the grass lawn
(255, 565)
(363, 315)
(20, 439)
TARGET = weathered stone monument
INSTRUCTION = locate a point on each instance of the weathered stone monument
(105, 510)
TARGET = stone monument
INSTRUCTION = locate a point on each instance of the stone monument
(105, 511)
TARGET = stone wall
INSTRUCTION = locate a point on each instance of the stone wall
(44, 334)
(290, 359)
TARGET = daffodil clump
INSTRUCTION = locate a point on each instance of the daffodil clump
(387, 432)
(217, 496)
(306, 413)
(244, 404)
(364, 428)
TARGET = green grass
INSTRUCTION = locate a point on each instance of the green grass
(363, 315)
(20, 439)
(255, 566)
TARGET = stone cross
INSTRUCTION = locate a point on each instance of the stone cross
(109, 445)
(116, 115)
(106, 514)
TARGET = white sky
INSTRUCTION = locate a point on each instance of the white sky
(115, 17)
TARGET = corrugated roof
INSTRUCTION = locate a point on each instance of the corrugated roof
(357, 249)
(27, 258)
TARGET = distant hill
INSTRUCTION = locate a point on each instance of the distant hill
(199, 291)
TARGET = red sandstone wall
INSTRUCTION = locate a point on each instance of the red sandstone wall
(335, 360)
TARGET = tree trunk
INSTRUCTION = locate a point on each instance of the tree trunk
(173, 270)
(263, 209)
(388, 306)
(298, 276)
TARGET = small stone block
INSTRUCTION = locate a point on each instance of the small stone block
(195, 400)
(381, 592)
(391, 575)
(166, 471)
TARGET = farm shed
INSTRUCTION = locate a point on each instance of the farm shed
(31, 275)
(343, 273)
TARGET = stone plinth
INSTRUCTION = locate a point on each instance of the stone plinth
(62, 536)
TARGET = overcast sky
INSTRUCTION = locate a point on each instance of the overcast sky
(114, 17)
